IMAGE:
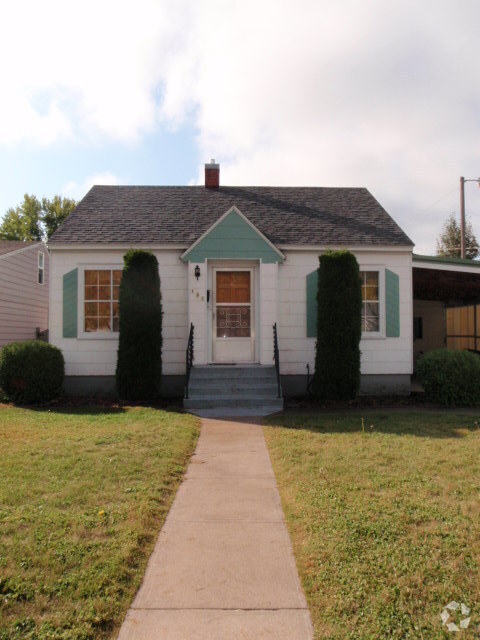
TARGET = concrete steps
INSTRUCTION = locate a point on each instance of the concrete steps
(226, 390)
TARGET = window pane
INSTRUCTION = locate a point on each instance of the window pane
(116, 324)
(116, 293)
(104, 324)
(91, 293)
(370, 293)
(115, 308)
(371, 277)
(233, 286)
(104, 309)
(104, 277)
(371, 309)
(371, 324)
(91, 324)
(104, 293)
(91, 277)
(91, 309)
(117, 276)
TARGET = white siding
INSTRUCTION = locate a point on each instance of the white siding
(282, 298)
(98, 356)
(380, 355)
(23, 302)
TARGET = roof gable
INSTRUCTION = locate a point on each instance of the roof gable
(233, 237)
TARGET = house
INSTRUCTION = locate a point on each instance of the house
(24, 278)
(233, 262)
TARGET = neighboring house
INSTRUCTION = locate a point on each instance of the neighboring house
(233, 261)
(24, 279)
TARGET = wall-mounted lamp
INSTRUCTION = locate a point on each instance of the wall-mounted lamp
(197, 272)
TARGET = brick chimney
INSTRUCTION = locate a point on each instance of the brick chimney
(212, 175)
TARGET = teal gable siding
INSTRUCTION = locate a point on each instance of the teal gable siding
(392, 304)
(312, 305)
(70, 304)
(233, 239)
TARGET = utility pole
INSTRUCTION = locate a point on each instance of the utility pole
(462, 212)
(462, 217)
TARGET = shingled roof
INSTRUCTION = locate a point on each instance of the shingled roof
(8, 246)
(180, 215)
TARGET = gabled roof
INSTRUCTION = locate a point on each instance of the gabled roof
(8, 246)
(180, 215)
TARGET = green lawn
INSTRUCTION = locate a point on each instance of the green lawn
(83, 494)
(385, 524)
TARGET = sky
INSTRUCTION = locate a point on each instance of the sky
(372, 93)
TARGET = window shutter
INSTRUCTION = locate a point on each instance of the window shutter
(70, 304)
(392, 304)
(312, 305)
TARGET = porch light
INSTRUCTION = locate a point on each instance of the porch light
(197, 272)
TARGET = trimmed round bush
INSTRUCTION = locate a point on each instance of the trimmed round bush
(450, 377)
(31, 371)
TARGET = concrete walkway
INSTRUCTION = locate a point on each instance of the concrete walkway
(223, 566)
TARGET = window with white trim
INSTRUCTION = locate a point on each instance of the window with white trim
(370, 301)
(101, 295)
(41, 268)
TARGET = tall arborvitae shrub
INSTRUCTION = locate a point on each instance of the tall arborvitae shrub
(337, 358)
(139, 361)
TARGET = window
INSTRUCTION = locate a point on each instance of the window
(418, 328)
(102, 288)
(41, 267)
(370, 301)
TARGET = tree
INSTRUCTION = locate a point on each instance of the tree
(337, 357)
(35, 220)
(449, 241)
(55, 211)
(24, 221)
(139, 359)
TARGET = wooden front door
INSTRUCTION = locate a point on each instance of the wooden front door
(233, 316)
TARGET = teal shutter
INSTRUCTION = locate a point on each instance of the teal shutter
(312, 305)
(392, 304)
(70, 304)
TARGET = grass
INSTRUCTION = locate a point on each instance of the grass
(83, 494)
(385, 523)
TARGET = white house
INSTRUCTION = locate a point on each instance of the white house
(233, 262)
(24, 281)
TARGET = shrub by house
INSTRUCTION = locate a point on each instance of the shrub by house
(450, 377)
(31, 371)
(337, 357)
(139, 361)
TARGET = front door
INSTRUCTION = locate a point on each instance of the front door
(233, 316)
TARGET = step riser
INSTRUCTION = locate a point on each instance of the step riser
(232, 373)
(230, 389)
(238, 402)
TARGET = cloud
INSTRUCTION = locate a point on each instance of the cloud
(372, 94)
(305, 92)
(77, 190)
(93, 64)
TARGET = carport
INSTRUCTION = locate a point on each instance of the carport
(446, 304)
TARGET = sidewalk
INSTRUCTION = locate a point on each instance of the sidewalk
(223, 566)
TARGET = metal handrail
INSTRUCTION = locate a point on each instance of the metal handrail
(276, 357)
(309, 381)
(189, 357)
